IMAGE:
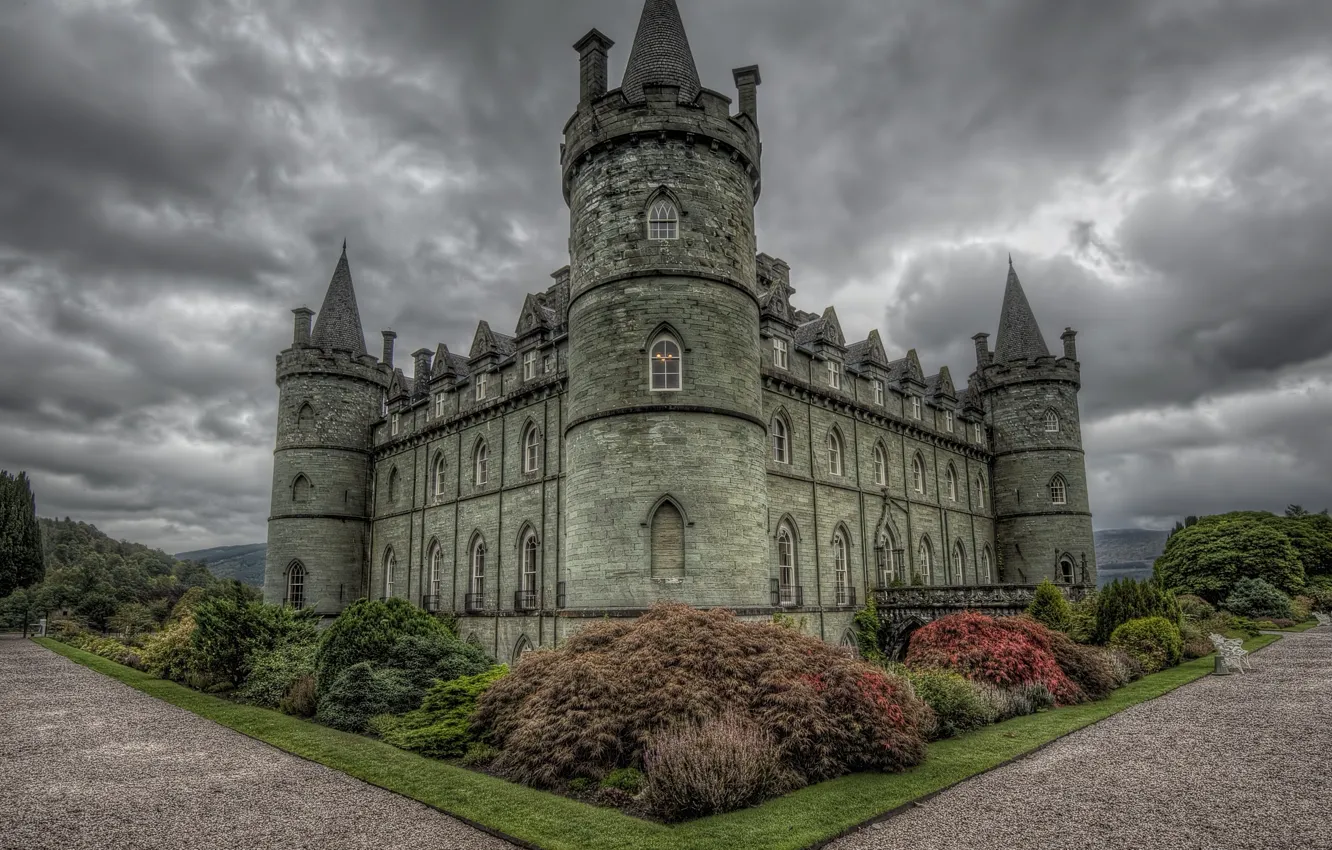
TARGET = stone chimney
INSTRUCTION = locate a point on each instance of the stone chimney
(747, 80)
(387, 359)
(300, 337)
(421, 370)
(983, 357)
(1070, 347)
(592, 49)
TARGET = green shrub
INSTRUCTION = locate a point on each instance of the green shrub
(1154, 641)
(1127, 668)
(959, 704)
(1301, 607)
(170, 653)
(1194, 607)
(363, 691)
(1319, 589)
(1089, 667)
(630, 780)
(1082, 619)
(370, 630)
(274, 672)
(479, 754)
(1017, 701)
(1050, 608)
(581, 784)
(441, 727)
(868, 630)
(229, 633)
(1196, 643)
(1125, 599)
(1253, 597)
(300, 698)
(426, 658)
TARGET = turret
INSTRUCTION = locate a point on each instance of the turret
(661, 181)
(329, 393)
(1043, 525)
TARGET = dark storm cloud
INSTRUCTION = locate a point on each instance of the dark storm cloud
(178, 174)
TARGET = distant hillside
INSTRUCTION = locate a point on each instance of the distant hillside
(1118, 545)
(245, 563)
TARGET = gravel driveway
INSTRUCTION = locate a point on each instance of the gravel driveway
(86, 762)
(1243, 761)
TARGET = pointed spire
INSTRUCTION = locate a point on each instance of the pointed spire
(1019, 337)
(660, 54)
(338, 325)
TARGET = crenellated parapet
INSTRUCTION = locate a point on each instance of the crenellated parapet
(304, 360)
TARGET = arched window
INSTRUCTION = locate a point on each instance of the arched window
(476, 596)
(1058, 491)
(980, 492)
(841, 570)
(781, 440)
(523, 646)
(787, 592)
(958, 576)
(1051, 421)
(528, 581)
(667, 541)
(437, 477)
(925, 561)
(393, 485)
(834, 453)
(305, 416)
(880, 465)
(950, 477)
(1066, 568)
(296, 585)
(301, 489)
(664, 364)
(436, 570)
(663, 221)
(390, 567)
(918, 474)
(531, 449)
(481, 463)
(986, 573)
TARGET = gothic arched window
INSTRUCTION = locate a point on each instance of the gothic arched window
(667, 541)
(880, 465)
(1051, 420)
(986, 573)
(436, 560)
(834, 453)
(477, 595)
(841, 570)
(663, 220)
(393, 485)
(918, 474)
(781, 440)
(390, 567)
(664, 363)
(786, 567)
(437, 477)
(950, 477)
(1058, 491)
(528, 580)
(305, 416)
(481, 463)
(1066, 569)
(959, 564)
(301, 489)
(925, 560)
(296, 585)
(531, 449)
(980, 492)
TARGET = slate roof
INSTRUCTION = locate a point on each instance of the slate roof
(868, 350)
(1019, 337)
(338, 325)
(824, 329)
(660, 54)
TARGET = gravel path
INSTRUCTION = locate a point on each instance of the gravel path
(1226, 763)
(86, 762)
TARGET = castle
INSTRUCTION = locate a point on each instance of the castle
(663, 424)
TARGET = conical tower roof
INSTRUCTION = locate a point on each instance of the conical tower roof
(660, 54)
(1019, 336)
(338, 324)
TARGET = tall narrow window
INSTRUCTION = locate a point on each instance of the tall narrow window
(1051, 420)
(301, 489)
(880, 465)
(878, 391)
(664, 364)
(393, 485)
(478, 581)
(834, 453)
(986, 575)
(781, 441)
(438, 478)
(978, 431)
(1066, 569)
(481, 473)
(390, 567)
(529, 364)
(950, 478)
(924, 561)
(481, 380)
(296, 585)
(841, 571)
(436, 570)
(305, 417)
(529, 579)
(786, 568)
(441, 402)
(663, 222)
(395, 423)
(834, 374)
(959, 564)
(667, 541)
(532, 449)
(948, 421)
(980, 493)
(918, 474)
(915, 407)
(548, 363)
(1058, 491)
(779, 353)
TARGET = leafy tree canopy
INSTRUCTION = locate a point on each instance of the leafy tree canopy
(1209, 557)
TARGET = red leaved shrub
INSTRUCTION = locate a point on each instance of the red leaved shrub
(593, 704)
(1007, 652)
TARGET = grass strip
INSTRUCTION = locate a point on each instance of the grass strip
(1298, 627)
(805, 818)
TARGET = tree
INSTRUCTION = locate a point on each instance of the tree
(21, 559)
(1049, 607)
(1293, 511)
(1209, 557)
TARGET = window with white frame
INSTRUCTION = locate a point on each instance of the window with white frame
(880, 465)
(436, 569)
(915, 407)
(296, 585)
(395, 423)
(390, 567)
(948, 421)
(986, 576)
(834, 453)
(664, 364)
(1066, 569)
(841, 571)
(1051, 421)
(529, 365)
(779, 353)
(834, 374)
(950, 478)
(663, 221)
(478, 582)
(978, 432)
(1058, 491)
(529, 579)
(438, 478)
(441, 404)
(781, 440)
(481, 463)
(925, 560)
(878, 391)
(918, 474)
(786, 567)
(531, 449)
(481, 380)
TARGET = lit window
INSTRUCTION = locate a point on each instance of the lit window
(918, 474)
(878, 391)
(834, 374)
(781, 441)
(880, 466)
(951, 478)
(441, 402)
(394, 424)
(834, 453)
(915, 407)
(948, 421)
(665, 364)
(439, 477)
(1058, 492)
(779, 353)
(1051, 421)
(531, 450)
(529, 365)
(663, 223)
(296, 585)
(482, 464)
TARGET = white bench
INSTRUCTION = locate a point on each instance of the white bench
(1232, 652)
(1323, 619)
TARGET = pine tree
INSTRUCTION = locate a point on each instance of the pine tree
(21, 561)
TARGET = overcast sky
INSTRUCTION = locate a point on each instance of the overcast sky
(176, 175)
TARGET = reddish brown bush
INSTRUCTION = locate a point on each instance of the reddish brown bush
(1008, 652)
(593, 704)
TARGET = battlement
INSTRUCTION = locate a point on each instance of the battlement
(1044, 368)
(303, 360)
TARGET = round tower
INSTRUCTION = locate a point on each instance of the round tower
(665, 439)
(1043, 526)
(329, 396)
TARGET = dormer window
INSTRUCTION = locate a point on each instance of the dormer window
(779, 353)
(529, 365)
(834, 374)
(395, 423)
(878, 391)
(948, 421)
(976, 428)
(663, 221)
(915, 407)
(481, 386)
(441, 401)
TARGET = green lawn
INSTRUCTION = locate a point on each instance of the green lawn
(1298, 627)
(792, 822)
